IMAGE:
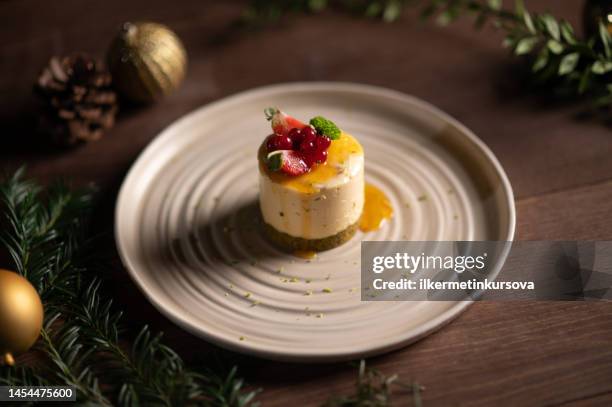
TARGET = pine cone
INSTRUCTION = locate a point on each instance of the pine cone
(79, 101)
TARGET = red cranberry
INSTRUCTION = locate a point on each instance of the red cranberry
(296, 136)
(285, 143)
(323, 143)
(279, 142)
(309, 131)
(308, 144)
(319, 156)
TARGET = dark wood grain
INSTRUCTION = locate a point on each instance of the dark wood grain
(559, 163)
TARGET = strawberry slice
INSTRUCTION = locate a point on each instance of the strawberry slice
(287, 161)
(281, 122)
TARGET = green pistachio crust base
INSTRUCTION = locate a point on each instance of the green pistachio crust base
(297, 243)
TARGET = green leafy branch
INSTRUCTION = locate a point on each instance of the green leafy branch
(45, 233)
(559, 58)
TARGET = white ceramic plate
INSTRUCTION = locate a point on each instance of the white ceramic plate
(187, 222)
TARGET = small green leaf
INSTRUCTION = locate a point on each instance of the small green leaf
(541, 60)
(392, 11)
(551, 26)
(567, 32)
(529, 22)
(525, 45)
(326, 127)
(495, 4)
(568, 63)
(601, 67)
(555, 46)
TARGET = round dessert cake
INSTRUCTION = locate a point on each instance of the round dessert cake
(311, 183)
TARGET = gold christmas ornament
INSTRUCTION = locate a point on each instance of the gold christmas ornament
(21, 315)
(147, 61)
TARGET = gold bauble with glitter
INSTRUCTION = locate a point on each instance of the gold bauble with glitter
(147, 61)
(21, 315)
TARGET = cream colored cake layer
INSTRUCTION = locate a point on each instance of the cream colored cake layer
(336, 206)
(321, 203)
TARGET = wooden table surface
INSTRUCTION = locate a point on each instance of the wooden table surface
(559, 163)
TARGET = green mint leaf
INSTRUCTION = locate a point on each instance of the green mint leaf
(326, 127)
(568, 63)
